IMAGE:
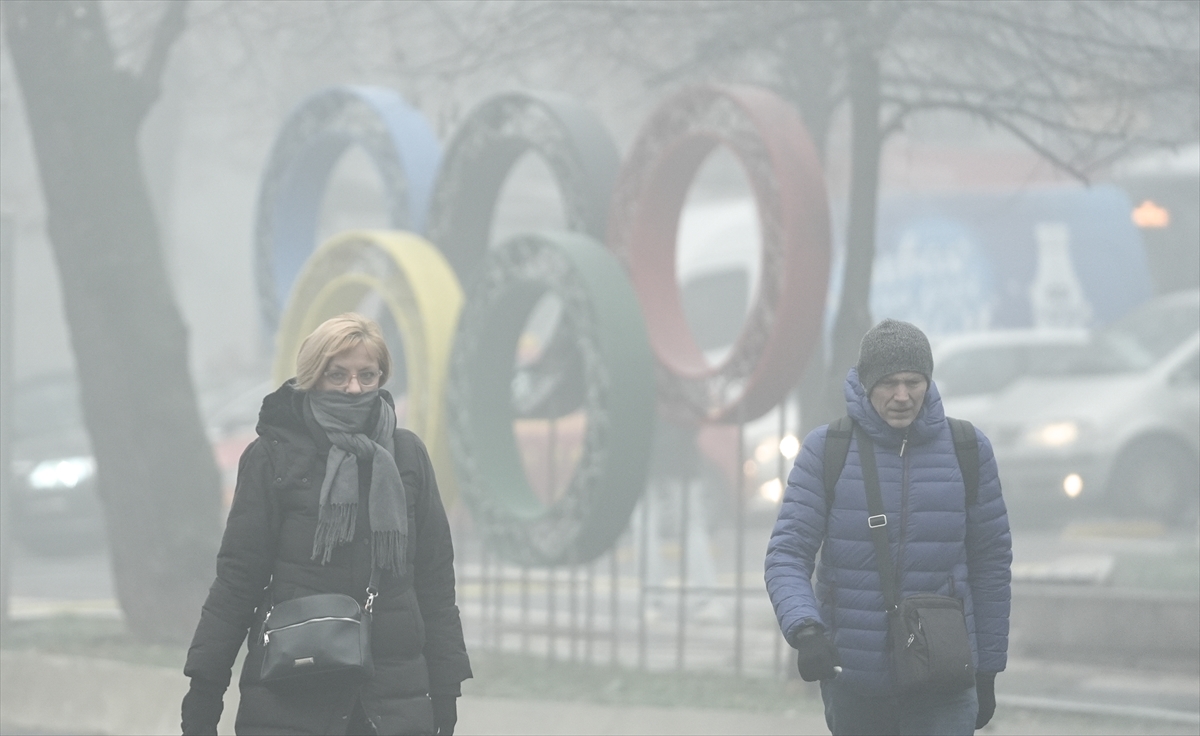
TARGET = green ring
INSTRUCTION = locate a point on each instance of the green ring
(600, 307)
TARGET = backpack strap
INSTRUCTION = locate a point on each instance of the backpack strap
(837, 447)
(966, 447)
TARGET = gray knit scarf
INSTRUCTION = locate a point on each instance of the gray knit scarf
(343, 416)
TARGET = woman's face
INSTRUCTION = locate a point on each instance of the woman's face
(353, 371)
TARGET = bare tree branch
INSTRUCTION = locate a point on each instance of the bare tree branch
(170, 28)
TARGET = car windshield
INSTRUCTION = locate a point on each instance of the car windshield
(991, 368)
(46, 406)
(1139, 340)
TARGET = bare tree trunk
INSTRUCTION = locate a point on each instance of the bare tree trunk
(854, 310)
(808, 82)
(157, 477)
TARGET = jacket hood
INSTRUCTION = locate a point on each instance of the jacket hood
(924, 428)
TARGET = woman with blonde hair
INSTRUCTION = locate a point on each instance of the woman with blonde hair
(332, 497)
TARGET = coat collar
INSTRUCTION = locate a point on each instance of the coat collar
(924, 428)
(283, 410)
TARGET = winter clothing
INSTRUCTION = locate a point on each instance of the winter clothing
(202, 708)
(939, 545)
(890, 347)
(816, 655)
(985, 691)
(266, 557)
(340, 415)
(936, 713)
(445, 715)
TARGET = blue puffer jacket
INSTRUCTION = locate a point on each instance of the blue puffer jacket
(938, 545)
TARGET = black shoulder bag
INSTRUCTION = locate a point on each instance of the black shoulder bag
(319, 635)
(927, 634)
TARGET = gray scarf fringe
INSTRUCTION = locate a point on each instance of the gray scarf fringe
(342, 417)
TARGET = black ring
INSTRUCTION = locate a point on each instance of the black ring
(601, 314)
(395, 136)
(570, 139)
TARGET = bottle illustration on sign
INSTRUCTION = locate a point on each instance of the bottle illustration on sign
(1056, 296)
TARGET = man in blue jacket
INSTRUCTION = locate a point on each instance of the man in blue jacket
(941, 543)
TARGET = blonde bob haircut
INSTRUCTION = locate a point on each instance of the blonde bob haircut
(337, 335)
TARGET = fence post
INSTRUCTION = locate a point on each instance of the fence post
(739, 549)
(6, 363)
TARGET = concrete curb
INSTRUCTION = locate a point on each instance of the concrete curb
(1100, 624)
(1132, 712)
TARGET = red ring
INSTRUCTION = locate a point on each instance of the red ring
(783, 323)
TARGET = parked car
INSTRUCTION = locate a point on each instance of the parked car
(1116, 432)
(230, 417)
(54, 501)
(978, 365)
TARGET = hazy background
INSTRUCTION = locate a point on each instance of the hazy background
(240, 68)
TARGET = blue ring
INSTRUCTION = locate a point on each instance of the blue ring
(396, 137)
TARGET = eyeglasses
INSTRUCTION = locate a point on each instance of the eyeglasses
(339, 378)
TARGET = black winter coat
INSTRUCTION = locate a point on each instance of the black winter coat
(417, 641)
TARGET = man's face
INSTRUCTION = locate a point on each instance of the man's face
(898, 397)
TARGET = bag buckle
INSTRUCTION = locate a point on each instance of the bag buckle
(371, 595)
(877, 521)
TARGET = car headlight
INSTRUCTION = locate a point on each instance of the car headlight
(1054, 434)
(789, 446)
(771, 491)
(61, 473)
(772, 447)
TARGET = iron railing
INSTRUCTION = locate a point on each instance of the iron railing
(682, 589)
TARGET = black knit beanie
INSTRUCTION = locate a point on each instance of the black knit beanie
(890, 347)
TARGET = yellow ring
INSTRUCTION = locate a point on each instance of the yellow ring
(422, 295)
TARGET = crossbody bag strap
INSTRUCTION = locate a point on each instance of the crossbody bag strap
(877, 520)
(373, 584)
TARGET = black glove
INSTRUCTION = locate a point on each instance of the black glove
(817, 656)
(985, 689)
(445, 713)
(202, 708)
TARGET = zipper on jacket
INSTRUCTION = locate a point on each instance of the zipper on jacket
(903, 517)
(904, 442)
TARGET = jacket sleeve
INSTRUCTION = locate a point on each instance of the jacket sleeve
(433, 581)
(244, 566)
(798, 533)
(989, 563)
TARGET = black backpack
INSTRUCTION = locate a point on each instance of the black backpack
(837, 446)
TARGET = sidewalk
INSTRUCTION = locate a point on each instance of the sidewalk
(479, 715)
(72, 695)
(57, 694)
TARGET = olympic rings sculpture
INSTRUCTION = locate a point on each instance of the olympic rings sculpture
(620, 339)
(784, 321)
(396, 137)
(421, 296)
(600, 313)
(569, 138)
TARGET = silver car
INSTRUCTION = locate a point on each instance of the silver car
(1116, 433)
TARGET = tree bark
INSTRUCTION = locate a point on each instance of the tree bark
(157, 477)
(854, 307)
(807, 72)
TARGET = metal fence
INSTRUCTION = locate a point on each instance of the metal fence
(682, 589)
